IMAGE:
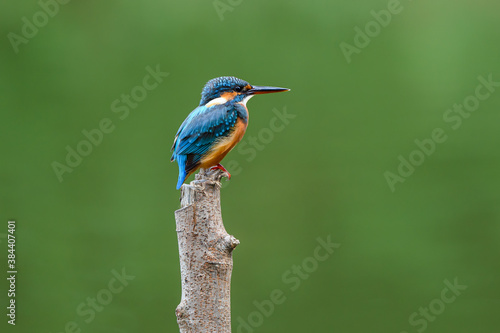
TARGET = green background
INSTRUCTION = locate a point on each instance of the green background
(322, 175)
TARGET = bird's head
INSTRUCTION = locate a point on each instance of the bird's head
(229, 88)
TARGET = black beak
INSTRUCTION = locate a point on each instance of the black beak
(256, 90)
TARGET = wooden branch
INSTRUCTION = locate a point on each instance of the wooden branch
(205, 252)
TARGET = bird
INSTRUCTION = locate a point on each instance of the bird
(212, 129)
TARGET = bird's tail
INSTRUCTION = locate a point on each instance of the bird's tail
(181, 160)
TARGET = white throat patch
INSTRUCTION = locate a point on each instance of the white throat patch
(245, 100)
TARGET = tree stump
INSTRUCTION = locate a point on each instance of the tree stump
(205, 253)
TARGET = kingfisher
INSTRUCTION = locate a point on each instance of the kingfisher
(213, 129)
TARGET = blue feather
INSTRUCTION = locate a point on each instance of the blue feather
(181, 160)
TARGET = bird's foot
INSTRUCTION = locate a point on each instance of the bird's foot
(220, 167)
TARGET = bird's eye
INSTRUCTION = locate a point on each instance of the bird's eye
(237, 89)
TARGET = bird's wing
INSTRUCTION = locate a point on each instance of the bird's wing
(202, 128)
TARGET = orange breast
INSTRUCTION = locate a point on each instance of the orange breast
(224, 146)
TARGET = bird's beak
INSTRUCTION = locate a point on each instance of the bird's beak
(256, 90)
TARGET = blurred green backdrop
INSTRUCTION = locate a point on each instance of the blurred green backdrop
(323, 173)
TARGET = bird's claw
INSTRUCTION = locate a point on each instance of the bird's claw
(220, 167)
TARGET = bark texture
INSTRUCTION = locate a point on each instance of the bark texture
(205, 252)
